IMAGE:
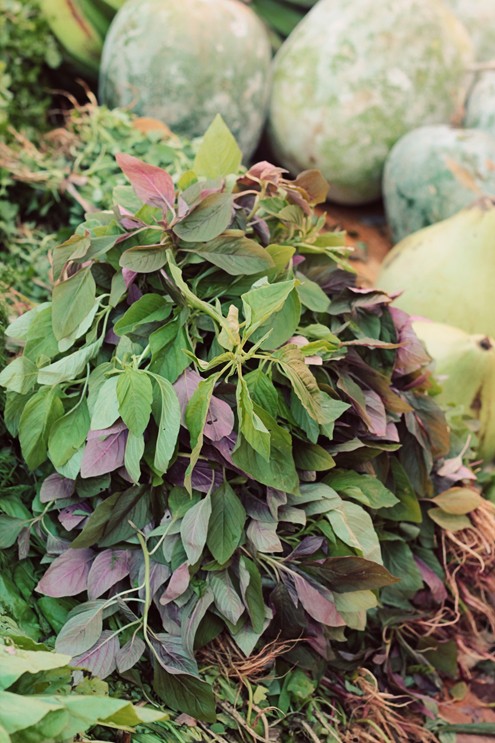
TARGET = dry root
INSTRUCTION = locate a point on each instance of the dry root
(224, 653)
(381, 717)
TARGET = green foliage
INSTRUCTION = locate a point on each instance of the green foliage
(218, 451)
(46, 186)
(29, 50)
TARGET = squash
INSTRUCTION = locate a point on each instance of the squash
(478, 16)
(480, 106)
(446, 272)
(432, 173)
(184, 61)
(354, 77)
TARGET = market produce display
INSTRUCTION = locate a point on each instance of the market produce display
(243, 495)
(340, 100)
(434, 172)
(225, 428)
(216, 54)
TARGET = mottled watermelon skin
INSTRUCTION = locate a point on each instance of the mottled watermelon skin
(478, 16)
(184, 61)
(355, 76)
(434, 172)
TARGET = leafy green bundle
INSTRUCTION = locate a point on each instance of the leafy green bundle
(228, 431)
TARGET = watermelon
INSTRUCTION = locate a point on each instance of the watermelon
(184, 61)
(480, 106)
(433, 172)
(478, 16)
(353, 77)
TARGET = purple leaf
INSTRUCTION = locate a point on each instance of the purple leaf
(159, 574)
(317, 606)
(55, 487)
(128, 276)
(190, 627)
(68, 574)
(56, 545)
(24, 543)
(129, 655)
(152, 185)
(203, 476)
(172, 655)
(108, 568)
(101, 659)
(104, 451)
(433, 582)
(377, 416)
(71, 516)
(411, 354)
(178, 584)
(307, 546)
(263, 536)
(220, 417)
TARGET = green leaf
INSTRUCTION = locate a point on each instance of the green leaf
(252, 594)
(312, 295)
(144, 258)
(208, 220)
(263, 301)
(147, 309)
(186, 694)
(399, 560)
(450, 521)
(40, 339)
(196, 414)
(345, 574)
(166, 412)
(82, 629)
(73, 299)
(134, 450)
(353, 525)
(168, 346)
(458, 501)
(280, 471)
(69, 367)
(194, 529)
(262, 391)
(408, 508)
(15, 662)
(365, 489)
(109, 522)
(39, 414)
(282, 325)
(135, 395)
(226, 523)
(10, 528)
(106, 407)
(16, 715)
(19, 376)
(304, 384)
(236, 255)
(312, 457)
(218, 154)
(250, 425)
(68, 434)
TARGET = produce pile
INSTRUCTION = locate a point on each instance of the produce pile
(232, 508)
(233, 445)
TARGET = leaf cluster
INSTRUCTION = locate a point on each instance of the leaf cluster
(232, 438)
